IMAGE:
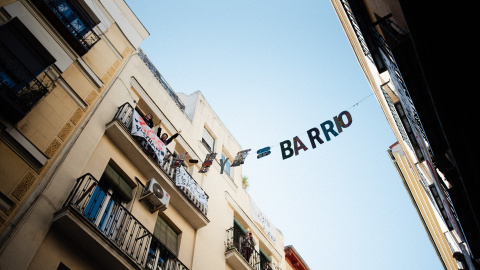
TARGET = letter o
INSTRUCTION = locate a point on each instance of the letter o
(349, 118)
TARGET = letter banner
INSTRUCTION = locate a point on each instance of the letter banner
(183, 179)
(263, 221)
(147, 138)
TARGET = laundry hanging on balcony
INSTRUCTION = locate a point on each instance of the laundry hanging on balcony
(147, 138)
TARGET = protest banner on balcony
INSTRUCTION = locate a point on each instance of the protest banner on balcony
(152, 145)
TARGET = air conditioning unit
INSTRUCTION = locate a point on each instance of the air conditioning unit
(155, 195)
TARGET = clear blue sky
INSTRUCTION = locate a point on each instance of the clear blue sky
(272, 70)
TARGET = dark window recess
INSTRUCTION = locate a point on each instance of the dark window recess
(439, 203)
(409, 130)
(74, 20)
(265, 261)
(23, 61)
(62, 266)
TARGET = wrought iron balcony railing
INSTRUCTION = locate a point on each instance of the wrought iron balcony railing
(107, 214)
(160, 79)
(356, 28)
(236, 240)
(18, 86)
(72, 21)
(124, 116)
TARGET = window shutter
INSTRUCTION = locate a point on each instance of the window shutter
(118, 183)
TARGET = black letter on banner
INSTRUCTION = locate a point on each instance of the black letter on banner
(329, 129)
(349, 118)
(286, 145)
(314, 137)
(222, 164)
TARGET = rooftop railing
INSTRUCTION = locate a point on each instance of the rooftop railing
(160, 79)
(124, 116)
(106, 213)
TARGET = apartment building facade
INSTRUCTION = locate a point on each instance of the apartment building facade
(86, 182)
(415, 91)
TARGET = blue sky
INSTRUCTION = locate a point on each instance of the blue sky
(272, 70)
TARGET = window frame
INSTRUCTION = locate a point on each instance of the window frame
(210, 148)
(227, 170)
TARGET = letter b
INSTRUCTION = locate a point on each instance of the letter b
(286, 147)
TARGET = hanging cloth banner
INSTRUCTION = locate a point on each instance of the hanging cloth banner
(147, 138)
(262, 220)
(183, 179)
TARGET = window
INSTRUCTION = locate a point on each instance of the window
(443, 212)
(6, 205)
(62, 266)
(226, 169)
(208, 140)
(111, 192)
(264, 260)
(74, 20)
(166, 235)
(23, 61)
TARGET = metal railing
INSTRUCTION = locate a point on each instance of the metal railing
(388, 26)
(18, 85)
(72, 19)
(356, 28)
(236, 241)
(160, 79)
(124, 116)
(107, 214)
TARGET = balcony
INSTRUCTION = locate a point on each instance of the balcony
(181, 198)
(74, 20)
(23, 66)
(93, 220)
(242, 257)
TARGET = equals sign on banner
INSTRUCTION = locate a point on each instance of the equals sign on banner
(263, 152)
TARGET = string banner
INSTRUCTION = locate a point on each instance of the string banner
(207, 163)
(147, 138)
(177, 161)
(328, 128)
(240, 158)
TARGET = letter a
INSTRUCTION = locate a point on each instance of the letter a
(298, 144)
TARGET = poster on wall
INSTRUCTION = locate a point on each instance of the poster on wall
(147, 138)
